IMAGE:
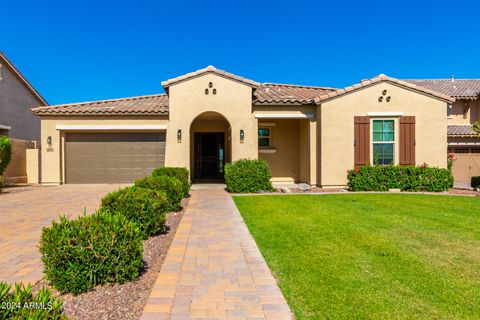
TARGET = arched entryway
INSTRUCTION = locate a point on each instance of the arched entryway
(210, 146)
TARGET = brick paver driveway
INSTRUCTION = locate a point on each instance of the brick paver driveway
(213, 269)
(22, 216)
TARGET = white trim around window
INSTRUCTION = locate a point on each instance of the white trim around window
(111, 127)
(385, 114)
(5, 127)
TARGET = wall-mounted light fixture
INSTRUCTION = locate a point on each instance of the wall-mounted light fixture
(179, 135)
(242, 136)
(49, 141)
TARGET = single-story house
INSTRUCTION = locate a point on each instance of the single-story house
(463, 141)
(210, 117)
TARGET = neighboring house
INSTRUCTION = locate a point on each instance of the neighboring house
(463, 142)
(17, 97)
(210, 117)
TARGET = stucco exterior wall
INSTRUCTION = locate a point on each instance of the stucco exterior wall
(337, 129)
(52, 171)
(187, 100)
(285, 160)
(15, 104)
(463, 112)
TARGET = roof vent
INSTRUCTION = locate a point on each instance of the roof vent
(453, 78)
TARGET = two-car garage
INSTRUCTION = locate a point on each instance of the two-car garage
(112, 157)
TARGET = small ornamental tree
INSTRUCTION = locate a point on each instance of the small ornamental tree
(5, 156)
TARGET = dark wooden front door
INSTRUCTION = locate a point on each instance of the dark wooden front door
(209, 155)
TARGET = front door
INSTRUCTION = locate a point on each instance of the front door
(209, 155)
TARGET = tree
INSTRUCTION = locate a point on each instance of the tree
(5, 156)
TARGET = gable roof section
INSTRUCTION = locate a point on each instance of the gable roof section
(275, 93)
(4, 60)
(382, 78)
(457, 88)
(141, 105)
(209, 69)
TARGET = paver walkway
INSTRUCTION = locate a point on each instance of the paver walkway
(22, 216)
(213, 269)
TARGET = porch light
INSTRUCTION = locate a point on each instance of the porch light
(179, 136)
(242, 136)
(49, 141)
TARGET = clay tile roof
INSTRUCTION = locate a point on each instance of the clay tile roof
(141, 105)
(272, 93)
(380, 78)
(461, 131)
(457, 88)
(209, 69)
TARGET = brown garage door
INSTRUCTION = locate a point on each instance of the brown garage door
(112, 157)
(467, 163)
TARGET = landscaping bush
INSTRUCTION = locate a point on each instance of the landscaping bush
(96, 249)
(172, 187)
(180, 173)
(5, 156)
(146, 207)
(475, 182)
(406, 178)
(21, 303)
(248, 176)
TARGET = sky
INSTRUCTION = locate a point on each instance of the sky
(89, 50)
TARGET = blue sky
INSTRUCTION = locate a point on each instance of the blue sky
(88, 50)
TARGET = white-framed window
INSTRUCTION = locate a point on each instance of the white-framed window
(264, 137)
(383, 141)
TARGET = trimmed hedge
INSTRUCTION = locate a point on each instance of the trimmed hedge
(21, 303)
(181, 174)
(171, 186)
(96, 249)
(5, 156)
(406, 178)
(146, 207)
(475, 183)
(248, 176)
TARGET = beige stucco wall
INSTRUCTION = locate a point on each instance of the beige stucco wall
(463, 112)
(52, 171)
(187, 100)
(337, 130)
(284, 162)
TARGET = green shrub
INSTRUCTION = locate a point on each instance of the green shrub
(248, 176)
(172, 187)
(147, 208)
(96, 249)
(180, 173)
(5, 156)
(21, 303)
(406, 178)
(475, 182)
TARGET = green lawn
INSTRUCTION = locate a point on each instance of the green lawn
(371, 256)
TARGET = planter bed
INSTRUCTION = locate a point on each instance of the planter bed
(126, 301)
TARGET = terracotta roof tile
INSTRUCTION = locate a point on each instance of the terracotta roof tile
(209, 69)
(461, 131)
(141, 105)
(272, 93)
(457, 88)
(379, 78)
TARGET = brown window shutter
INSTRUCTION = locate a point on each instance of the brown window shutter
(361, 141)
(407, 141)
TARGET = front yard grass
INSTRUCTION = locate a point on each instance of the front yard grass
(371, 256)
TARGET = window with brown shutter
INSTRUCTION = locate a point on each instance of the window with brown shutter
(361, 141)
(407, 140)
